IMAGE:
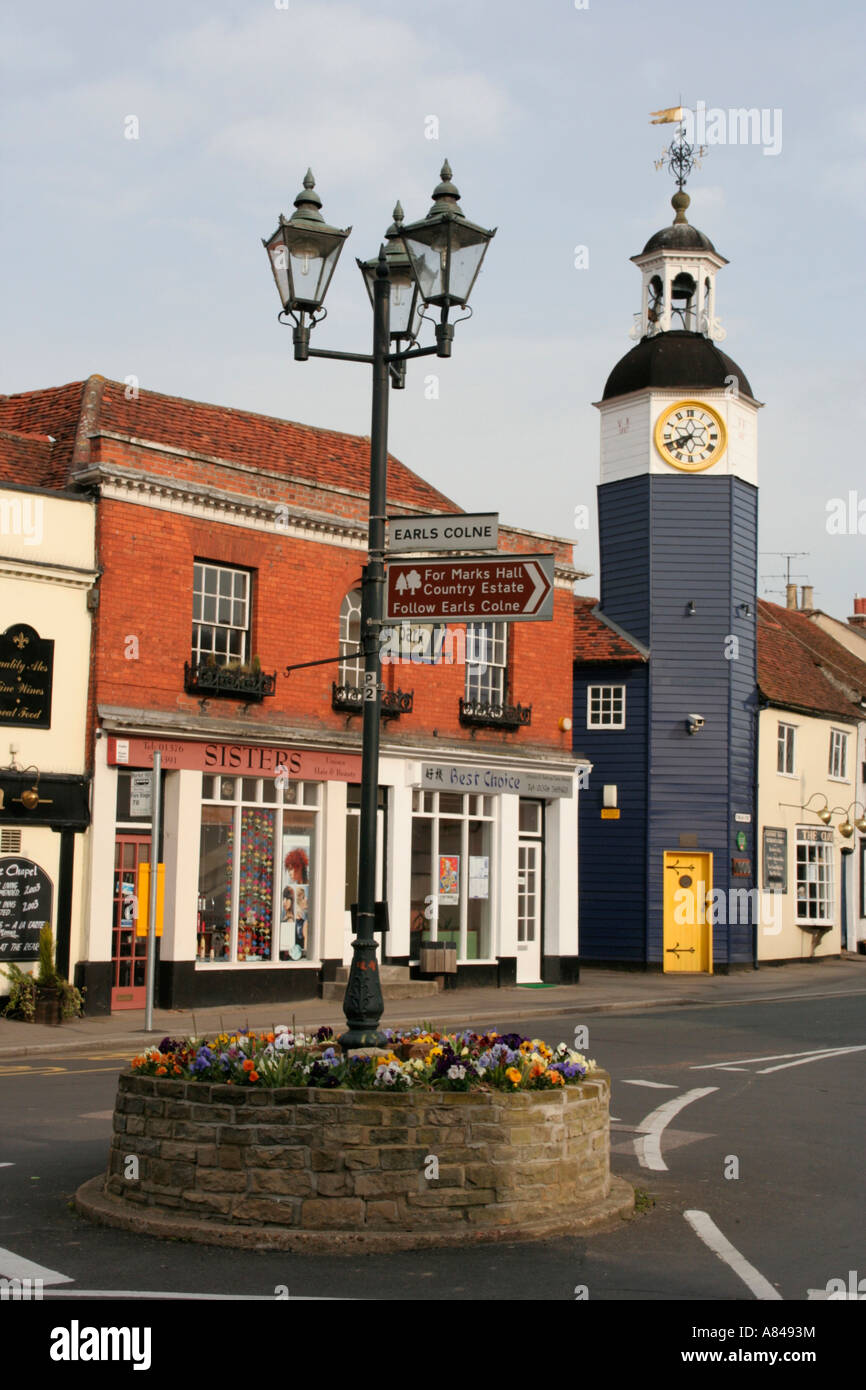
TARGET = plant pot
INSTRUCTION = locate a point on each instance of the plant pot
(48, 1008)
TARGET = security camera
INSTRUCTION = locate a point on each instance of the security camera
(694, 723)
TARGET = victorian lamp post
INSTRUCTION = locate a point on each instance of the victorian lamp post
(431, 264)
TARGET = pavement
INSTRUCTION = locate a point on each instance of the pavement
(599, 991)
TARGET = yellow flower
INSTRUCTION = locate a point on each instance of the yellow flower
(556, 1077)
(513, 1075)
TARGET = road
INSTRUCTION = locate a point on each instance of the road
(750, 1115)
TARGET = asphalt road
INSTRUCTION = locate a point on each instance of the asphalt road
(768, 1146)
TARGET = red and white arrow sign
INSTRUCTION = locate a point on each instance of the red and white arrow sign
(505, 588)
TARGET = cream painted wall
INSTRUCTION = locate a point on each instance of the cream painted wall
(780, 798)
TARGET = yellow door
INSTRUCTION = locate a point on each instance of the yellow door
(688, 934)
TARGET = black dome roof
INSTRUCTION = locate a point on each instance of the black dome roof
(673, 360)
(680, 236)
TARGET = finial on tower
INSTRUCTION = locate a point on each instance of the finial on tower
(679, 157)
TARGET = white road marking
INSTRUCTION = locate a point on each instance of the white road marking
(649, 1146)
(787, 1058)
(14, 1266)
(656, 1085)
(704, 1226)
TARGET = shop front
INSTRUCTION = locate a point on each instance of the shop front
(260, 846)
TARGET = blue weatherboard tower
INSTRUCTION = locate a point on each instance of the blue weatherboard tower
(667, 825)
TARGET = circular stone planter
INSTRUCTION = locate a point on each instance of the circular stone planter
(299, 1169)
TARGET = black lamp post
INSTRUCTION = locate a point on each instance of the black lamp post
(432, 262)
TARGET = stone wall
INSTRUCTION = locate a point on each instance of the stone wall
(335, 1160)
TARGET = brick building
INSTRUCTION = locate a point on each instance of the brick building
(230, 545)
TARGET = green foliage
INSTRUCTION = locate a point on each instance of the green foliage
(22, 992)
(46, 975)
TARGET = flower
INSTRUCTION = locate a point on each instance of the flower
(456, 1073)
(513, 1076)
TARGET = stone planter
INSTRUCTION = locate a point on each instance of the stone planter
(335, 1169)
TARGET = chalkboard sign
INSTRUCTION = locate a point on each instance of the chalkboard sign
(25, 906)
(26, 673)
(775, 859)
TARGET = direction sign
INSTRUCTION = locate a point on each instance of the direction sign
(465, 531)
(507, 588)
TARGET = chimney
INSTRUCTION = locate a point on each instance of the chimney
(858, 617)
(791, 595)
(808, 599)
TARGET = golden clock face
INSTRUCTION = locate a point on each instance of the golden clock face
(690, 436)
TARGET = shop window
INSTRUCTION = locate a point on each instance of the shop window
(815, 895)
(257, 870)
(220, 614)
(451, 873)
(353, 841)
(486, 662)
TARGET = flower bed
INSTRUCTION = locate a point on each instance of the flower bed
(440, 1140)
(417, 1058)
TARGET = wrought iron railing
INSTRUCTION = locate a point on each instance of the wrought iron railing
(237, 682)
(350, 699)
(500, 716)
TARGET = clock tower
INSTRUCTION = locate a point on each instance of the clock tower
(678, 507)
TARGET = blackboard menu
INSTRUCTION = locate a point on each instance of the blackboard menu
(26, 672)
(775, 859)
(25, 906)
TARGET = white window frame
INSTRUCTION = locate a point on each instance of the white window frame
(606, 701)
(838, 755)
(230, 628)
(351, 669)
(487, 662)
(820, 854)
(786, 750)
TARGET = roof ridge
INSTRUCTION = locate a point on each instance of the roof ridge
(820, 657)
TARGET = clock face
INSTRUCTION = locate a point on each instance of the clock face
(690, 436)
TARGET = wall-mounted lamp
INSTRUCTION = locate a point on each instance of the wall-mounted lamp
(691, 608)
(823, 812)
(844, 827)
(744, 610)
(565, 724)
(608, 796)
(859, 821)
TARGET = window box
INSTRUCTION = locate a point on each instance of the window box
(489, 715)
(238, 681)
(349, 699)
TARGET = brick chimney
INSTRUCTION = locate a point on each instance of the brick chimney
(858, 617)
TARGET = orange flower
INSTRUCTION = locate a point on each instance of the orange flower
(271, 1037)
(248, 1064)
(513, 1076)
(160, 1071)
(177, 1070)
(537, 1070)
(556, 1077)
(254, 1076)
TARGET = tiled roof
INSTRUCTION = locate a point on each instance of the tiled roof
(594, 640)
(317, 456)
(26, 458)
(802, 667)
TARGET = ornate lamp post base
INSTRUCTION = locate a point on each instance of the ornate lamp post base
(363, 1003)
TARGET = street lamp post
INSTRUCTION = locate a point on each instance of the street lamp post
(434, 262)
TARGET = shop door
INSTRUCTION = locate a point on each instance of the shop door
(528, 912)
(128, 952)
(688, 936)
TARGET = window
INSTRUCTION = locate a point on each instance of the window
(785, 749)
(451, 872)
(486, 662)
(256, 870)
(815, 905)
(220, 613)
(352, 668)
(839, 755)
(605, 707)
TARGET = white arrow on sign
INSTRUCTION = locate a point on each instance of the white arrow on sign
(542, 586)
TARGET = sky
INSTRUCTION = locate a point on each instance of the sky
(141, 257)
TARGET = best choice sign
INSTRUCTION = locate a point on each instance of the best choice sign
(475, 531)
(452, 777)
(509, 588)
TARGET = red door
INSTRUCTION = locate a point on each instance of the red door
(128, 951)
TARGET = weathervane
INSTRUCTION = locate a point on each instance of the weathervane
(679, 157)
